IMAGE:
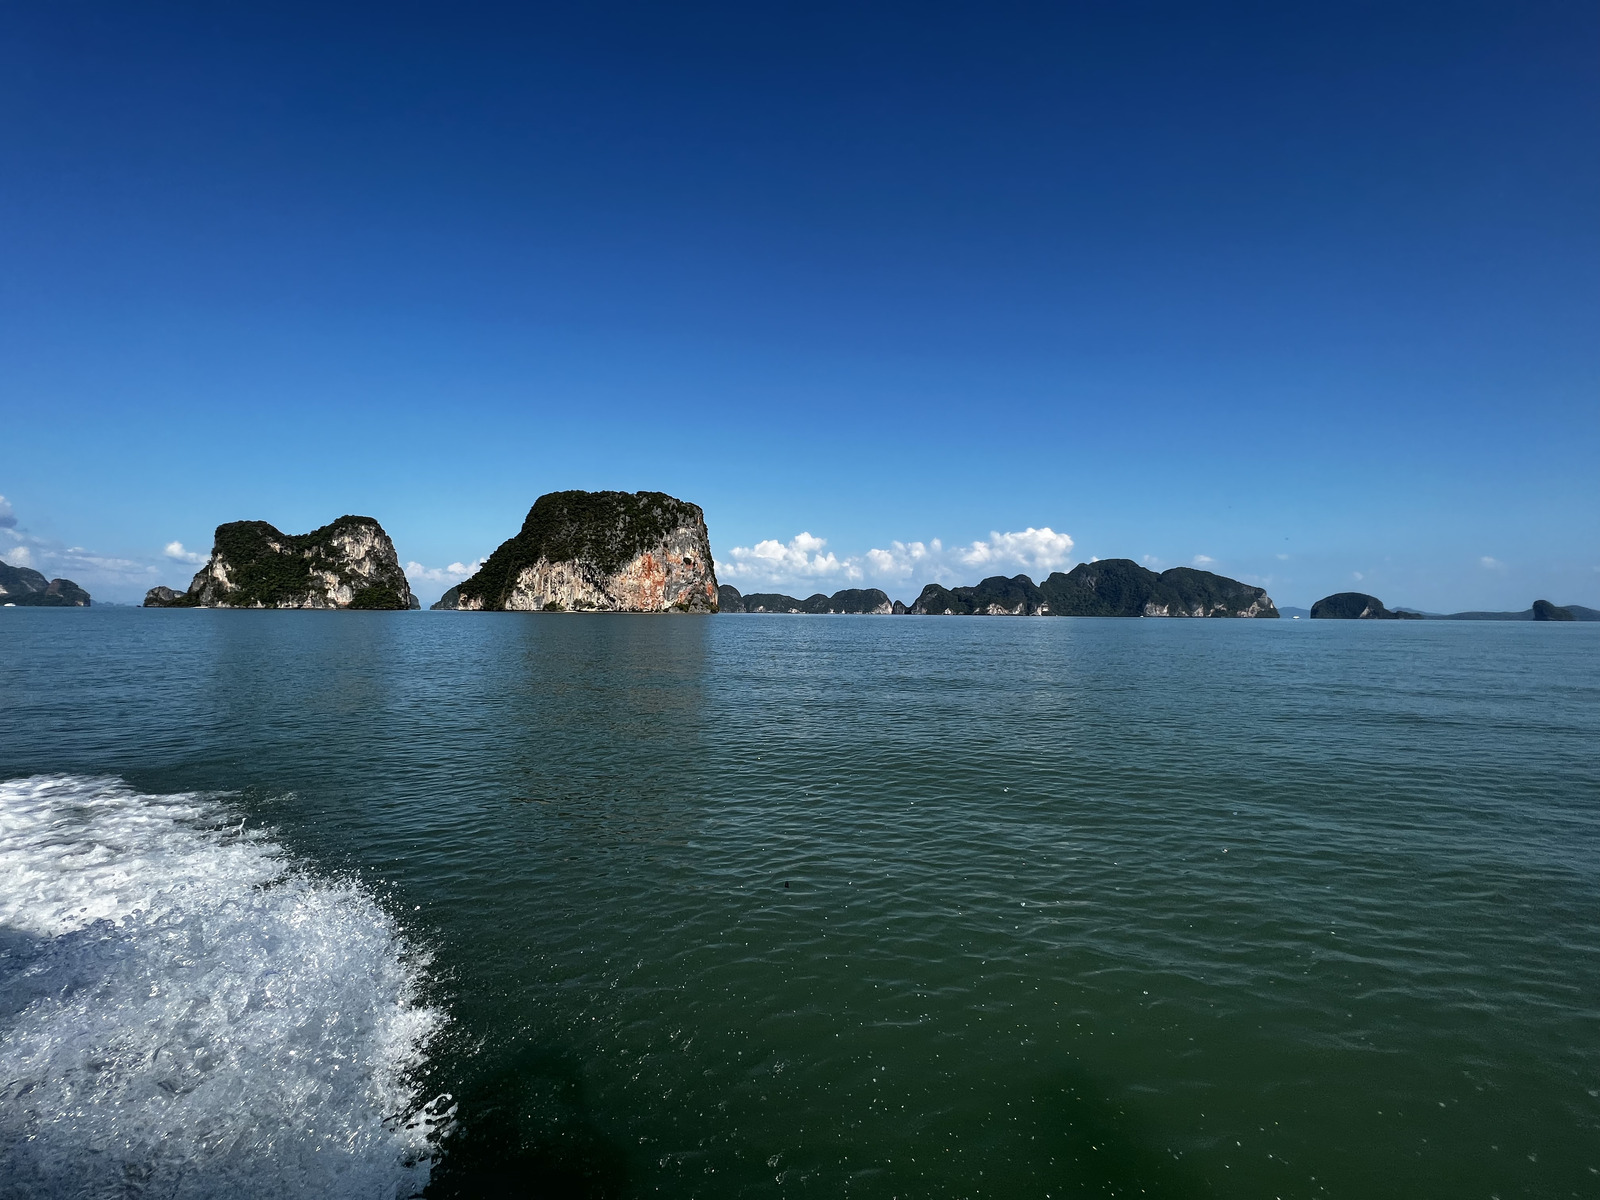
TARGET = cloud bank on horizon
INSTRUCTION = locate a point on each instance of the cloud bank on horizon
(802, 560)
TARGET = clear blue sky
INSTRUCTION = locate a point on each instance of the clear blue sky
(1311, 291)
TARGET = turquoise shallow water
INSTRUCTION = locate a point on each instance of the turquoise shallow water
(744, 906)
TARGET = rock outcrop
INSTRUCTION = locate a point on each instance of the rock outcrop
(27, 588)
(1356, 606)
(1115, 587)
(996, 596)
(1120, 587)
(349, 563)
(599, 552)
(863, 601)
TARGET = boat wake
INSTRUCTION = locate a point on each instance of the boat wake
(183, 1013)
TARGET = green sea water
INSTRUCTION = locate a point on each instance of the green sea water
(767, 906)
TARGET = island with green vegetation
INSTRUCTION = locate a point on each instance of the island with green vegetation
(24, 587)
(1357, 606)
(996, 596)
(858, 601)
(349, 563)
(1115, 587)
(598, 552)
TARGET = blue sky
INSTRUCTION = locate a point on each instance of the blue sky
(1306, 293)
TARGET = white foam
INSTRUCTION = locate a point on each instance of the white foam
(184, 1014)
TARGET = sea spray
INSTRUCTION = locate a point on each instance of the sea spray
(184, 1013)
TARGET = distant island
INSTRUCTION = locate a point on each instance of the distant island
(347, 563)
(26, 588)
(598, 552)
(1358, 606)
(1113, 587)
(863, 601)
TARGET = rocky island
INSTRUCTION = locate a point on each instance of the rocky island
(27, 588)
(869, 601)
(598, 552)
(1357, 606)
(348, 563)
(1112, 587)
(1116, 587)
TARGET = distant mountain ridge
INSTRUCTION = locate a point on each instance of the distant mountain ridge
(862, 601)
(1115, 587)
(1358, 606)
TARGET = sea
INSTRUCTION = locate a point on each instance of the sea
(455, 905)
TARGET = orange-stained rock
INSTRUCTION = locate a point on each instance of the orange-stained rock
(599, 552)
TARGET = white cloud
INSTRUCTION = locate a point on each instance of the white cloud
(805, 560)
(801, 557)
(1282, 557)
(902, 559)
(1150, 560)
(454, 573)
(19, 556)
(8, 516)
(1040, 549)
(1359, 576)
(176, 552)
(1491, 564)
(1203, 560)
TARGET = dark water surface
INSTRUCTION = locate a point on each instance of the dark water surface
(744, 906)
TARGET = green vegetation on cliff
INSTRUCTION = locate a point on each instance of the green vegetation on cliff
(1120, 587)
(266, 568)
(994, 596)
(602, 530)
(849, 600)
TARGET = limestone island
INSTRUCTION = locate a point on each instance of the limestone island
(26, 588)
(869, 601)
(635, 552)
(1112, 587)
(1358, 606)
(348, 563)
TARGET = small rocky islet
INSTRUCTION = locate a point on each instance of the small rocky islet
(644, 552)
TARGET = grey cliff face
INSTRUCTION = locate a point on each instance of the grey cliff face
(349, 563)
(598, 552)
